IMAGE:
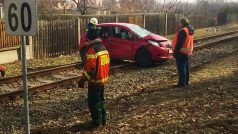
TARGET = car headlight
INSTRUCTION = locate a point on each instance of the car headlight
(168, 46)
(154, 43)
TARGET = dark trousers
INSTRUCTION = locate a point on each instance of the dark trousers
(183, 70)
(96, 103)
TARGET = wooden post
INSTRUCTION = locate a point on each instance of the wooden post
(166, 24)
(31, 51)
(1, 12)
(144, 20)
(44, 39)
(78, 32)
(116, 19)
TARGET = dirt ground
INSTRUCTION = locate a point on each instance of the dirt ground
(208, 105)
(143, 100)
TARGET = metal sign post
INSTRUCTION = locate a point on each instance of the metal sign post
(25, 85)
(20, 18)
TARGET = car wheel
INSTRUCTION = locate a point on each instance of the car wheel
(143, 58)
(83, 52)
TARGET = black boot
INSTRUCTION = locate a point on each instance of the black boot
(104, 114)
(179, 86)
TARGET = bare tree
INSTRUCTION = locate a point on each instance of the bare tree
(81, 6)
(109, 5)
(146, 6)
(168, 6)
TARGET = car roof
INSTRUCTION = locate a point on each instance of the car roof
(116, 24)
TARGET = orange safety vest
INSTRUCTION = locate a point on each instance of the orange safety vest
(2, 68)
(187, 47)
(96, 69)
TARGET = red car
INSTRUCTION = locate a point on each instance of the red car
(131, 42)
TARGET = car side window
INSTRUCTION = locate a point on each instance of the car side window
(104, 32)
(122, 33)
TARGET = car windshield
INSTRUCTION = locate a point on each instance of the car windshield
(139, 30)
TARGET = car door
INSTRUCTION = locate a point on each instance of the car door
(120, 43)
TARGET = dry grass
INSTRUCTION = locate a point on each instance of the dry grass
(209, 105)
(141, 100)
(144, 100)
(14, 69)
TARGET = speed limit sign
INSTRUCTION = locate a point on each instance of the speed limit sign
(20, 17)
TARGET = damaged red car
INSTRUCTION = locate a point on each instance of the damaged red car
(131, 42)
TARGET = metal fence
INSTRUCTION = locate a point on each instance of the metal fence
(7, 41)
(156, 23)
(56, 37)
(60, 35)
(162, 24)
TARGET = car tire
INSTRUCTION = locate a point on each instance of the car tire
(83, 52)
(143, 58)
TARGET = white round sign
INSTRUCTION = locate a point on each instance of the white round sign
(20, 17)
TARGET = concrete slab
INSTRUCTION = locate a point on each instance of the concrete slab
(8, 56)
(12, 55)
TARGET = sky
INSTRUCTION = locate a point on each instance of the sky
(195, 0)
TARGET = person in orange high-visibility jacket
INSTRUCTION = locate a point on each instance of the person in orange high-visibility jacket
(96, 72)
(2, 70)
(182, 46)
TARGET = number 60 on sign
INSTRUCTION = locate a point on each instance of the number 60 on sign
(20, 17)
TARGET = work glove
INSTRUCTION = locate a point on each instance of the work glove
(2, 73)
(81, 83)
(191, 29)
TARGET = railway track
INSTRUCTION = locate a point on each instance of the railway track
(202, 39)
(56, 77)
(55, 80)
(40, 73)
(44, 72)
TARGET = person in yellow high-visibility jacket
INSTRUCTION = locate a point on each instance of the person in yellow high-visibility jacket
(96, 72)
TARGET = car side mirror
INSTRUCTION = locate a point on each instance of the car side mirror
(132, 38)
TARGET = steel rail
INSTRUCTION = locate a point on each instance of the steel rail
(198, 40)
(40, 73)
(52, 85)
(47, 86)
